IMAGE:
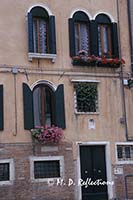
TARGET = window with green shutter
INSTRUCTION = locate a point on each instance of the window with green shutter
(43, 106)
(79, 33)
(41, 33)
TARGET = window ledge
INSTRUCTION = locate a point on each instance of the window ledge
(41, 56)
(87, 113)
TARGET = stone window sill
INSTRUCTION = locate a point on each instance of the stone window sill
(42, 56)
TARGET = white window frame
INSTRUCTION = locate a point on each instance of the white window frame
(123, 144)
(46, 158)
(75, 99)
(11, 172)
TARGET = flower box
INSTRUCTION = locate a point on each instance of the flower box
(84, 60)
(45, 134)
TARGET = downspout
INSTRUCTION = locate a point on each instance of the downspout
(121, 77)
(130, 34)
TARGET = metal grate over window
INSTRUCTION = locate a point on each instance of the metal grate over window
(47, 169)
(86, 97)
(4, 172)
(125, 152)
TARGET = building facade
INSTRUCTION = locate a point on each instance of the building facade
(66, 66)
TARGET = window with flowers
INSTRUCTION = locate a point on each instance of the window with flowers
(43, 106)
(94, 42)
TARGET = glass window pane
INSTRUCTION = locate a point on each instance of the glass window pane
(43, 107)
(119, 152)
(46, 169)
(105, 39)
(84, 37)
(127, 152)
(35, 32)
(37, 107)
(76, 38)
(40, 35)
(43, 36)
(99, 42)
(4, 171)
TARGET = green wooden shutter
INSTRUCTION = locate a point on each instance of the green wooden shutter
(28, 107)
(93, 38)
(52, 35)
(30, 33)
(1, 108)
(60, 107)
(115, 47)
(71, 38)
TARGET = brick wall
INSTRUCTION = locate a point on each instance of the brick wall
(23, 188)
(123, 185)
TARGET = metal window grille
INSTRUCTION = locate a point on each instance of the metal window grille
(46, 169)
(86, 97)
(125, 152)
(4, 172)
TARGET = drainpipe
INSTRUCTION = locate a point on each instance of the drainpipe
(130, 33)
(15, 71)
(121, 78)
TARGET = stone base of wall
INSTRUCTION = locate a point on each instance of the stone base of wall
(23, 188)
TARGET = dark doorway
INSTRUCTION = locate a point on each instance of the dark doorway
(93, 173)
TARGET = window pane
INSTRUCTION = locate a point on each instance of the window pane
(127, 152)
(35, 37)
(81, 37)
(99, 41)
(119, 152)
(46, 169)
(105, 40)
(43, 36)
(84, 37)
(48, 107)
(76, 38)
(40, 35)
(4, 171)
(37, 107)
(43, 110)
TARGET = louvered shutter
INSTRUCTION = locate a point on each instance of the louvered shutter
(115, 48)
(1, 108)
(94, 38)
(28, 107)
(30, 33)
(71, 37)
(60, 107)
(52, 35)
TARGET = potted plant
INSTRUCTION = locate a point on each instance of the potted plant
(45, 134)
(83, 59)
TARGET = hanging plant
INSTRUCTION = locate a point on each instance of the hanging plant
(45, 134)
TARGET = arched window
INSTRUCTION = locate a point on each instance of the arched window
(107, 39)
(41, 31)
(43, 103)
(43, 106)
(79, 28)
(104, 35)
